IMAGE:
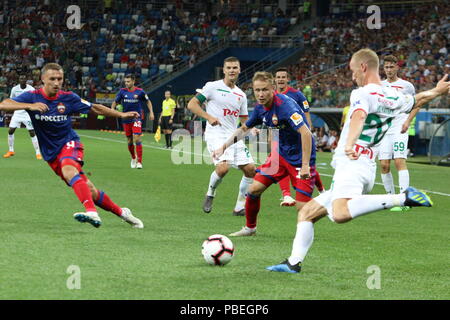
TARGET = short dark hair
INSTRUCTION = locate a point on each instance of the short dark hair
(283, 70)
(131, 76)
(231, 59)
(390, 58)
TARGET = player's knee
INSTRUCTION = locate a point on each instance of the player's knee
(306, 213)
(11, 131)
(385, 167)
(222, 169)
(69, 172)
(400, 164)
(341, 213)
(250, 171)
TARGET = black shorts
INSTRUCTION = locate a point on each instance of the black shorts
(165, 125)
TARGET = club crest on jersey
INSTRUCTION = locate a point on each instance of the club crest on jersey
(135, 96)
(275, 119)
(61, 108)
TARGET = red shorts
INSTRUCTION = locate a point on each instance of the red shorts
(276, 168)
(71, 154)
(132, 128)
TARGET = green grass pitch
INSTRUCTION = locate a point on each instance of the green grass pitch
(40, 239)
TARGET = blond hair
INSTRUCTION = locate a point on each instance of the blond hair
(51, 66)
(367, 56)
(263, 76)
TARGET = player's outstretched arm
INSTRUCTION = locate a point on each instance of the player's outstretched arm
(195, 107)
(11, 105)
(108, 112)
(442, 87)
(239, 134)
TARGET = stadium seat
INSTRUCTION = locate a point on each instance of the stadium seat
(123, 67)
(293, 20)
(116, 67)
(169, 68)
(144, 71)
(153, 27)
(149, 6)
(103, 31)
(89, 59)
(85, 70)
(135, 17)
(133, 56)
(162, 67)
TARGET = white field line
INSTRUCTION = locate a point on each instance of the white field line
(161, 148)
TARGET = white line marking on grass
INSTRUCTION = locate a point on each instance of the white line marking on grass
(164, 149)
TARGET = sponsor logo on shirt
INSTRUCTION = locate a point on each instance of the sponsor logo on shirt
(306, 104)
(296, 118)
(228, 112)
(51, 118)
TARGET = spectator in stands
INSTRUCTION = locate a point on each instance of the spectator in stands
(331, 142)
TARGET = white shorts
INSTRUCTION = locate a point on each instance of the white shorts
(16, 120)
(351, 178)
(236, 155)
(393, 146)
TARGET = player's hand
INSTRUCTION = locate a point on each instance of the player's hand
(38, 106)
(170, 121)
(214, 121)
(130, 115)
(304, 172)
(405, 126)
(152, 116)
(351, 153)
(443, 86)
(255, 131)
(218, 153)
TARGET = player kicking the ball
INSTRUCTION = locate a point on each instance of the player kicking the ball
(372, 109)
(294, 157)
(50, 109)
(225, 104)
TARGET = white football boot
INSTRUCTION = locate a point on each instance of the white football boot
(138, 165)
(244, 232)
(288, 201)
(91, 217)
(129, 218)
(133, 163)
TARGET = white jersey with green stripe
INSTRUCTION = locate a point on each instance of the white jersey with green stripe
(405, 87)
(224, 103)
(382, 105)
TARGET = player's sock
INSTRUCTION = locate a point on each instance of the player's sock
(167, 136)
(243, 187)
(285, 186)
(302, 242)
(105, 202)
(403, 180)
(252, 205)
(11, 142)
(35, 142)
(214, 181)
(365, 204)
(139, 151)
(83, 193)
(388, 182)
(319, 183)
(170, 140)
(131, 149)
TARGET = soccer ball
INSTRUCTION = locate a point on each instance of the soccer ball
(217, 250)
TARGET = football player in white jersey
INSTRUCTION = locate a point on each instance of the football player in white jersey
(372, 108)
(19, 117)
(395, 144)
(225, 104)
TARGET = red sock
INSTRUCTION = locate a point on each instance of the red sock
(319, 183)
(105, 202)
(139, 151)
(131, 149)
(83, 193)
(252, 205)
(285, 186)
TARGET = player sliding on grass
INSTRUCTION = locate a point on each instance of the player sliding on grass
(372, 109)
(294, 157)
(50, 109)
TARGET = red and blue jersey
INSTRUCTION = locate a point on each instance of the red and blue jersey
(54, 127)
(298, 97)
(286, 116)
(132, 101)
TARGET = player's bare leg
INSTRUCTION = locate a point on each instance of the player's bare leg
(386, 176)
(252, 206)
(138, 142)
(132, 152)
(35, 143)
(10, 152)
(215, 179)
(246, 181)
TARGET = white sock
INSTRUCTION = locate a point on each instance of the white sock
(403, 179)
(214, 181)
(302, 242)
(388, 182)
(35, 142)
(365, 204)
(243, 187)
(11, 142)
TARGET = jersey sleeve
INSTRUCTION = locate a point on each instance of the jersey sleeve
(302, 102)
(26, 97)
(206, 92)
(143, 96)
(13, 93)
(254, 119)
(411, 90)
(118, 97)
(358, 102)
(79, 105)
(243, 111)
(292, 114)
(408, 103)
